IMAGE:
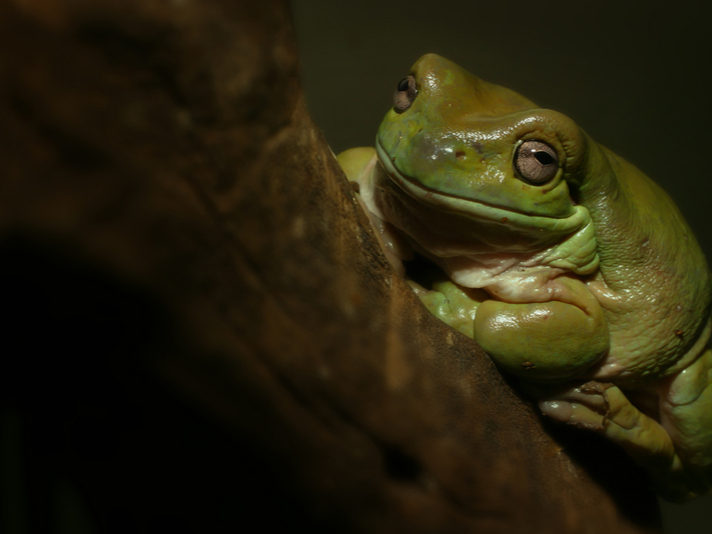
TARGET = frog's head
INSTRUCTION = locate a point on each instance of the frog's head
(491, 160)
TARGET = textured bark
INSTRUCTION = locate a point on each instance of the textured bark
(201, 329)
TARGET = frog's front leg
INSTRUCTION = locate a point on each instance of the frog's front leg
(455, 305)
(674, 445)
(545, 341)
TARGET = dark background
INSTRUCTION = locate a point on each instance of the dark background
(633, 74)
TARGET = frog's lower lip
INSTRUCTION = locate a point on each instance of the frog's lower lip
(464, 206)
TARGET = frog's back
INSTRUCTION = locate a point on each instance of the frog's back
(654, 282)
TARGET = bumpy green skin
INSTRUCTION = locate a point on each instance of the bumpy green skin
(590, 287)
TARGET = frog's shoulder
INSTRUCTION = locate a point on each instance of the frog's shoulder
(354, 160)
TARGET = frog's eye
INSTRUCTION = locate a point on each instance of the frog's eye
(405, 94)
(536, 161)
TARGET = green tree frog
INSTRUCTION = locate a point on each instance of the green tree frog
(571, 268)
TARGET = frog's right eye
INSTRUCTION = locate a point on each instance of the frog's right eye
(405, 94)
(536, 161)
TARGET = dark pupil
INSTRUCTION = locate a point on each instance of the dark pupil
(544, 158)
(403, 85)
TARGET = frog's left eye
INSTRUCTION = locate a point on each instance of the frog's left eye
(405, 94)
(536, 161)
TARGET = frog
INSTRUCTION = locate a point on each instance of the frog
(573, 270)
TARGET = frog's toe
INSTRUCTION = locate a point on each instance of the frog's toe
(584, 406)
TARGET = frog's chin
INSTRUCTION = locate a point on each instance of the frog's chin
(476, 209)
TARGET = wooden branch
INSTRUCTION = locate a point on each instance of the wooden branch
(203, 330)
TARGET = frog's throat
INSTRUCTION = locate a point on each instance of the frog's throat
(576, 252)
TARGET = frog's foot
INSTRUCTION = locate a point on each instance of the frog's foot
(604, 408)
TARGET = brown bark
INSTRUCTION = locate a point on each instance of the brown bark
(202, 330)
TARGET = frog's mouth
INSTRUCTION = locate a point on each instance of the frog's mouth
(476, 209)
